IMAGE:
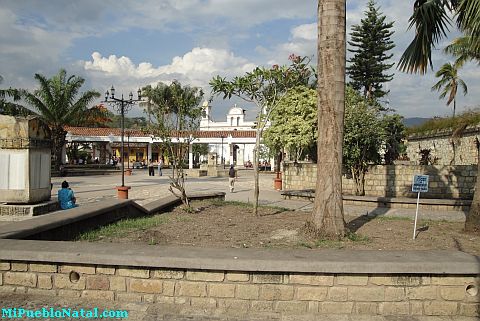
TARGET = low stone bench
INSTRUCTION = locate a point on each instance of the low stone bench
(305, 193)
(390, 202)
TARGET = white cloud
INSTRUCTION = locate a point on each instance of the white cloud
(28, 49)
(196, 67)
(302, 42)
(307, 32)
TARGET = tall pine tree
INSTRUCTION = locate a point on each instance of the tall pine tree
(370, 42)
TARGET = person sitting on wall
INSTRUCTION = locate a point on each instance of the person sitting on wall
(66, 197)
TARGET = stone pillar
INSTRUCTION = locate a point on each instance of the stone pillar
(64, 154)
(241, 156)
(190, 156)
(103, 153)
(149, 151)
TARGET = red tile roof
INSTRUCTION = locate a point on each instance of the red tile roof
(91, 131)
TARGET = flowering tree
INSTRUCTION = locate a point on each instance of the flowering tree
(264, 87)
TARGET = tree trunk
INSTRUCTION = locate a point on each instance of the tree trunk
(454, 107)
(58, 140)
(359, 179)
(472, 222)
(256, 191)
(327, 217)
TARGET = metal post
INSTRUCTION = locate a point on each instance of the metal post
(123, 131)
(128, 150)
(122, 106)
(416, 215)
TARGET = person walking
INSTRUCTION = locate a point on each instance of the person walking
(231, 178)
(160, 165)
(151, 170)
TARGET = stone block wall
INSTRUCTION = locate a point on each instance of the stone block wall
(444, 148)
(246, 293)
(445, 182)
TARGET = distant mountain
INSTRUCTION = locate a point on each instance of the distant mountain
(414, 121)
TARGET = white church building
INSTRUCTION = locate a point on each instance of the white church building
(237, 143)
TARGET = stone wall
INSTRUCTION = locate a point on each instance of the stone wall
(246, 293)
(445, 182)
(445, 149)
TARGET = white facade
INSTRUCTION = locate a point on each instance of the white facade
(235, 121)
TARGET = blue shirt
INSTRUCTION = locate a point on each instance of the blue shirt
(65, 197)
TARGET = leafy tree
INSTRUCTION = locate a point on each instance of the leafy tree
(57, 103)
(264, 87)
(294, 122)
(129, 122)
(175, 112)
(371, 42)
(199, 150)
(448, 83)
(97, 116)
(363, 137)
(394, 130)
(327, 216)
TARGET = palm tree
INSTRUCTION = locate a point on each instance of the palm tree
(464, 50)
(8, 105)
(327, 217)
(448, 83)
(430, 19)
(431, 25)
(57, 104)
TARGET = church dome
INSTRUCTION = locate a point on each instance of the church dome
(235, 111)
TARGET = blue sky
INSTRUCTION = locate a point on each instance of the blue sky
(134, 43)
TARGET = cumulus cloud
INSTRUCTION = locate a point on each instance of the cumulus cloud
(195, 68)
(302, 42)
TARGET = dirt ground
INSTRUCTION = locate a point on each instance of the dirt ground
(234, 225)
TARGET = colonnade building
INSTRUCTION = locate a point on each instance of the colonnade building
(232, 141)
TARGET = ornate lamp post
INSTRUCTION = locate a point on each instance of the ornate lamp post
(122, 106)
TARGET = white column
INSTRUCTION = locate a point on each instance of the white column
(64, 154)
(230, 150)
(149, 151)
(190, 156)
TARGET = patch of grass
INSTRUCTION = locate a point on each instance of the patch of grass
(354, 237)
(119, 228)
(393, 218)
(183, 219)
(218, 202)
(331, 244)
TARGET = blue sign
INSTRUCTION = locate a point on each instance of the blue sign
(420, 183)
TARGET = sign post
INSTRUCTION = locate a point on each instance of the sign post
(420, 184)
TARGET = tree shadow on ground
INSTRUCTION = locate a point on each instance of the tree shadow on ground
(421, 229)
(355, 224)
